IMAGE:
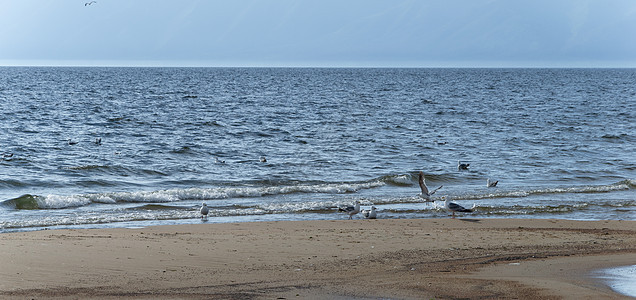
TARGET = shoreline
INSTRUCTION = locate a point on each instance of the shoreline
(343, 259)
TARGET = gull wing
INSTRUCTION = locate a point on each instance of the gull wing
(423, 185)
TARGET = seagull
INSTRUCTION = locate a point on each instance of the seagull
(461, 166)
(72, 142)
(98, 141)
(218, 161)
(491, 184)
(263, 159)
(89, 3)
(425, 193)
(454, 207)
(204, 211)
(351, 210)
(370, 214)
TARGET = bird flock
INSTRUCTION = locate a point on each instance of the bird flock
(372, 213)
(425, 194)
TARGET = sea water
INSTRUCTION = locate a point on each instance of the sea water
(124, 147)
(621, 279)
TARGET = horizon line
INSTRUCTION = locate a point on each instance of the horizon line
(360, 65)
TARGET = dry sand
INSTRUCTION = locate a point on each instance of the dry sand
(357, 259)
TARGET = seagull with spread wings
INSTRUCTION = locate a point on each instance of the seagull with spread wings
(425, 194)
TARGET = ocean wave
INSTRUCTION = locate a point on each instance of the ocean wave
(619, 186)
(53, 201)
(173, 195)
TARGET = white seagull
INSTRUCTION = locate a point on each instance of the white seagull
(491, 184)
(425, 194)
(461, 166)
(370, 214)
(351, 210)
(204, 211)
(454, 207)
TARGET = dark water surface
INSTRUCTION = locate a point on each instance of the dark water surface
(560, 141)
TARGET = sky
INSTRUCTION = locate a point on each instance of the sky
(319, 33)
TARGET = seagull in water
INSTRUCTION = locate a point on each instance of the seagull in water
(491, 184)
(370, 214)
(204, 211)
(461, 166)
(454, 207)
(425, 193)
(351, 210)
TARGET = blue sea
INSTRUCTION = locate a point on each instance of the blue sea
(131, 147)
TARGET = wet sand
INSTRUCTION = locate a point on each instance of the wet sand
(347, 259)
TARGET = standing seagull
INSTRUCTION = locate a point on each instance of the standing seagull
(351, 210)
(461, 166)
(370, 214)
(425, 194)
(491, 184)
(204, 211)
(454, 207)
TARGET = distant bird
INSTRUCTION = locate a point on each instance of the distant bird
(425, 193)
(218, 161)
(351, 210)
(454, 207)
(204, 211)
(7, 156)
(370, 214)
(98, 141)
(491, 184)
(90, 3)
(263, 159)
(461, 166)
(72, 142)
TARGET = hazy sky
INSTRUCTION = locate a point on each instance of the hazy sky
(416, 33)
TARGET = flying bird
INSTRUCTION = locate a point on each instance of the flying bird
(370, 214)
(454, 207)
(204, 211)
(491, 184)
(351, 210)
(461, 166)
(90, 3)
(425, 194)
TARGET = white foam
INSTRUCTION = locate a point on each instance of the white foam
(173, 195)
(57, 201)
(621, 280)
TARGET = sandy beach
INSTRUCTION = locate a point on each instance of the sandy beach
(347, 259)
